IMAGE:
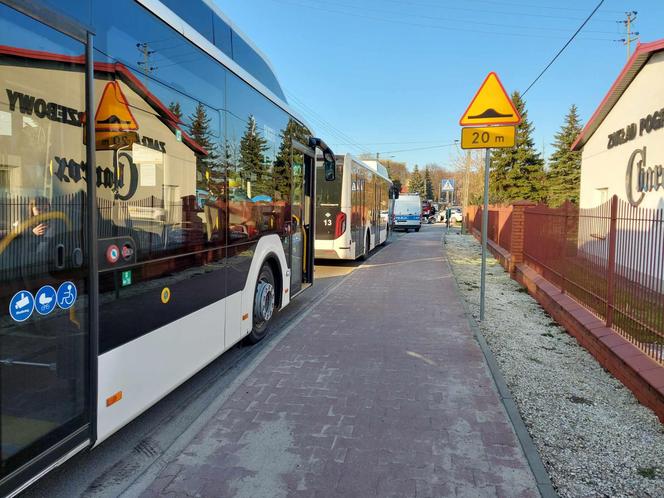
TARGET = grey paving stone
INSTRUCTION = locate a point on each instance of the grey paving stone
(381, 390)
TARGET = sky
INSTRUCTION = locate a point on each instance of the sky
(390, 76)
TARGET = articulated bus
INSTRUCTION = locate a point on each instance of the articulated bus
(155, 209)
(353, 211)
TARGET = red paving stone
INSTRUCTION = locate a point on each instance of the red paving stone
(381, 390)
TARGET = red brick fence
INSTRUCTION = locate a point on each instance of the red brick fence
(599, 272)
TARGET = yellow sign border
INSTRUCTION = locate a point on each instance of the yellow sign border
(464, 121)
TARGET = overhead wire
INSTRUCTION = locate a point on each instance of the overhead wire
(337, 132)
(418, 148)
(521, 13)
(324, 126)
(356, 14)
(393, 143)
(454, 20)
(557, 7)
(564, 47)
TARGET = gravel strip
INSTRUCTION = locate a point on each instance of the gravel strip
(593, 436)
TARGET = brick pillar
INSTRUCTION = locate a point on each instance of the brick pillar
(517, 235)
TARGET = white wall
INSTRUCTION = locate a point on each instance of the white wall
(606, 168)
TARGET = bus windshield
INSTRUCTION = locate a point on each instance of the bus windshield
(328, 193)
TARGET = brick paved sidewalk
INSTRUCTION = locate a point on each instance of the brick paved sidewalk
(381, 390)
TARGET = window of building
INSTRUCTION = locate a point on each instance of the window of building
(602, 195)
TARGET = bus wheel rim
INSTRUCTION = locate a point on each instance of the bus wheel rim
(264, 303)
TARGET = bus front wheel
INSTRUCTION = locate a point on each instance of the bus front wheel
(264, 304)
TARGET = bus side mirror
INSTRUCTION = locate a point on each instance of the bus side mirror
(330, 167)
(329, 161)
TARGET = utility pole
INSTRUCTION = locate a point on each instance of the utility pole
(630, 17)
(145, 51)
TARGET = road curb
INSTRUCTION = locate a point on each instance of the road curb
(544, 484)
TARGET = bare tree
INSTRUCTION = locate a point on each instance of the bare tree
(468, 172)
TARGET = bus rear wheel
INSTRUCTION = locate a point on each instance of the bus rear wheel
(367, 243)
(264, 304)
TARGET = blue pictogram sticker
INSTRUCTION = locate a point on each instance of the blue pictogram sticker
(45, 300)
(67, 294)
(21, 306)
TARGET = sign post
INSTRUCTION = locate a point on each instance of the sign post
(491, 118)
(485, 229)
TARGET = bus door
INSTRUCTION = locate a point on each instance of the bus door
(362, 219)
(45, 359)
(372, 200)
(302, 206)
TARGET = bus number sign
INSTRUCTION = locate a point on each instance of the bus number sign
(488, 137)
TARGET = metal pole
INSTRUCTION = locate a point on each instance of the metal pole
(91, 236)
(485, 227)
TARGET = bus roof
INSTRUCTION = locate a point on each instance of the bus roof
(378, 169)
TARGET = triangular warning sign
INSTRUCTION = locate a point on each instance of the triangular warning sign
(113, 112)
(447, 186)
(490, 106)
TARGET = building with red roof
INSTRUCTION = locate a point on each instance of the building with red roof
(622, 145)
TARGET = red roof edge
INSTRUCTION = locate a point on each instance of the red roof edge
(641, 49)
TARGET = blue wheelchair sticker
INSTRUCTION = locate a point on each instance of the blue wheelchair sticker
(45, 300)
(67, 295)
(21, 306)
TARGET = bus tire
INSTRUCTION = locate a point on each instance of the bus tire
(264, 304)
(367, 245)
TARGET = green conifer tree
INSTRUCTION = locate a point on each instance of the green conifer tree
(428, 185)
(175, 108)
(416, 182)
(518, 173)
(252, 159)
(564, 175)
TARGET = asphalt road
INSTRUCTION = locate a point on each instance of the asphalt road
(110, 469)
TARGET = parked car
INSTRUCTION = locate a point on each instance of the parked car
(456, 216)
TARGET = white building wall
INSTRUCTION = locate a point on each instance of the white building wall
(603, 170)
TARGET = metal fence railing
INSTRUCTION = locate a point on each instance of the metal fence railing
(610, 259)
(499, 225)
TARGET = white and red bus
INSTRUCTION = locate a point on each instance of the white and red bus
(353, 211)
